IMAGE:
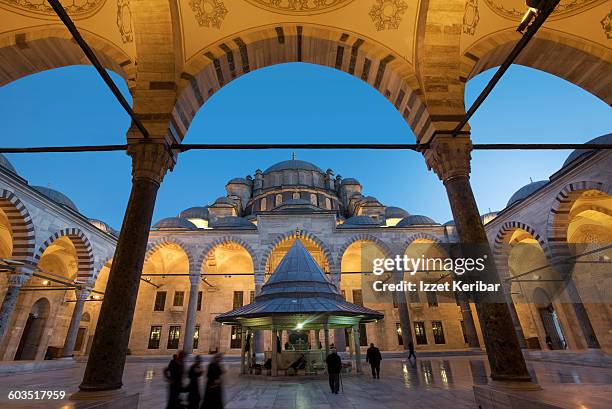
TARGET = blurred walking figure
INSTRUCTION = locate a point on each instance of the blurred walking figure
(195, 372)
(334, 367)
(374, 357)
(174, 375)
(411, 353)
(213, 392)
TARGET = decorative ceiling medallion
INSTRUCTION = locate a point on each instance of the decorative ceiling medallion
(124, 21)
(515, 9)
(76, 8)
(299, 6)
(387, 14)
(606, 24)
(209, 13)
(470, 17)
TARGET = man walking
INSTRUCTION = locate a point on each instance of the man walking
(174, 375)
(334, 366)
(411, 353)
(374, 357)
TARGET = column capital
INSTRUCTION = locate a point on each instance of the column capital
(449, 156)
(151, 159)
(82, 293)
(19, 277)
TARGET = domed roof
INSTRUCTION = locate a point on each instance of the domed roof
(174, 223)
(525, 191)
(223, 200)
(392, 212)
(57, 197)
(233, 222)
(449, 223)
(242, 181)
(6, 164)
(359, 221)
(415, 220)
(293, 164)
(103, 226)
(487, 217)
(370, 199)
(197, 212)
(350, 181)
(582, 153)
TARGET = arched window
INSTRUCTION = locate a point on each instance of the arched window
(327, 203)
(313, 199)
(263, 204)
(279, 200)
(296, 195)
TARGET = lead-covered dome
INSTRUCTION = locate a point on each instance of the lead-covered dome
(359, 222)
(174, 223)
(393, 212)
(416, 220)
(525, 191)
(583, 153)
(293, 164)
(104, 227)
(6, 164)
(57, 197)
(233, 222)
(197, 212)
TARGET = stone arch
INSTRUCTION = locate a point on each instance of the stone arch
(23, 230)
(209, 69)
(364, 237)
(421, 235)
(501, 250)
(221, 241)
(549, 51)
(291, 234)
(84, 251)
(39, 49)
(164, 241)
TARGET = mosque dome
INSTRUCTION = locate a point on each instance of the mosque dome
(449, 223)
(392, 212)
(525, 191)
(223, 200)
(233, 222)
(416, 220)
(6, 164)
(103, 226)
(293, 164)
(57, 197)
(174, 223)
(583, 153)
(487, 217)
(198, 212)
(350, 181)
(242, 181)
(359, 221)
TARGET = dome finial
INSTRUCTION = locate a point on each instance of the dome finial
(292, 155)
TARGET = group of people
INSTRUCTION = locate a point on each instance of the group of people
(213, 394)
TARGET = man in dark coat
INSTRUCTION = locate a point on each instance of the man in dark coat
(374, 357)
(213, 392)
(334, 366)
(174, 375)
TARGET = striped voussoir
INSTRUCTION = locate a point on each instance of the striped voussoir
(223, 241)
(84, 251)
(22, 227)
(303, 234)
(502, 245)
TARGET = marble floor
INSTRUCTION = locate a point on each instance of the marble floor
(440, 382)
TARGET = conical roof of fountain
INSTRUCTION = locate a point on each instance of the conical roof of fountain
(298, 286)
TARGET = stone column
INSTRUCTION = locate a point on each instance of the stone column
(357, 348)
(15, 280)
(402, 310)
(326, 336)
(258, 336)
(150, 161)
(75, 321)
(339, 338)
(192, 306)
(274, 352)
(317, 339)
(450, 158)
(243, 335)
(468, 320)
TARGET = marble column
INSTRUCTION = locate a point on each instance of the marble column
(468, 321)
(15, 280)
(357, 348)
(581, 315)
(243, 361)
(258, 336)
(450, 158)
(317, 339)
(275, 352)
(73, 329)
(150, 161)
(326, 336)
(192, 307)
(402, 311)
(339, 336)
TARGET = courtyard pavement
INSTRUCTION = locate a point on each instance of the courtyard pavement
(433, 383)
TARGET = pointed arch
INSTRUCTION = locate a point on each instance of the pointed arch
(386, 249)
(165, 241)
(220, 242)
(84, 251)
(23, 230)
(290, 235)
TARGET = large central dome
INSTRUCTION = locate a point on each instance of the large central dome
(293, 164)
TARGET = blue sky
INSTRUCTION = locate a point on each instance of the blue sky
(290, 103)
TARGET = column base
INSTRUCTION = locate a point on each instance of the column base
(113, 399)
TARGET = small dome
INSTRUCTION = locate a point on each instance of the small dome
(241, 181)
(233, 222)
(197, 212)
(349, 181)
(525, 191)
(359, 221)
(370, 199)
(392, 212)
(6, 164)
(174, 223)
(449, 223)
(104, 227)
(416, 220)
(293, 164)
(223, 200)
(57, 197)
(583, 153)
(487, 217)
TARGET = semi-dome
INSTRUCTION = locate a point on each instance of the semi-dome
(350, 181)
(57, 197)
(293, 164)
(174, 223)
(525, 191)
(197, 212)
(233, 222)
(392, 212)
(359, 221)
(6, 164)
(416, 220)
(583, 153)
(487, 217)
(103, 226)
